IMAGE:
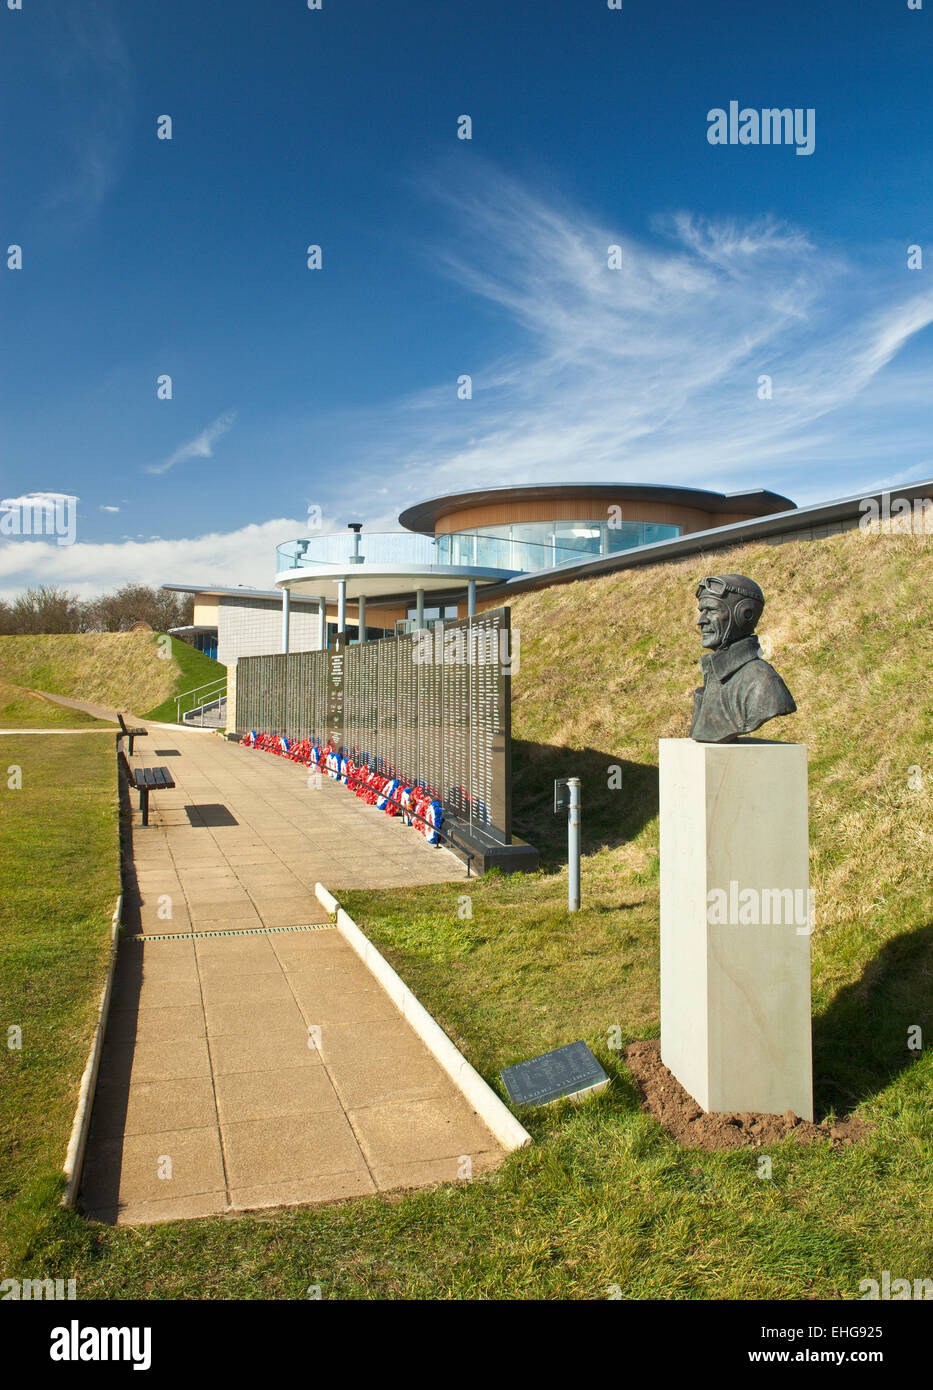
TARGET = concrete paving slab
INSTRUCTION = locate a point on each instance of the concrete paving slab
(376, 1082)
(327, 1006)
(237, 919)
(166, 967)
(154, 993)
(423, 1173)
(313, 984)
(151, 1167)
(154, 1106)
(304, 950)
(255, 1017)
(335, 1187)
(267, 1095)
(442, 1126)
(290, 1147)
(159, 1061)
(237, 1052)
(238, 964)
(161, 1023)
(229, 988)
(168, 1209)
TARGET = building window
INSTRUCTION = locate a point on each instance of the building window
(431, 615)
(538, 545)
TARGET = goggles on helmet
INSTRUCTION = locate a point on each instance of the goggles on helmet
(718, 587)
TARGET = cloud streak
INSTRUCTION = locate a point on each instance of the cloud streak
(650, 372)
(245, 556)
(93, 71)
(201, 447)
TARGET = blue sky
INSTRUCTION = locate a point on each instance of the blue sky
(441, 257)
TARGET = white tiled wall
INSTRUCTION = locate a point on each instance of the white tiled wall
(253, 627)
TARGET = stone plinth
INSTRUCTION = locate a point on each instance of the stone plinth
(735, 939)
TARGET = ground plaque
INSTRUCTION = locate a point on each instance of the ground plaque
(570, 1071)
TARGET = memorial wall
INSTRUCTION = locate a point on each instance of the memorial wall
(432, 707)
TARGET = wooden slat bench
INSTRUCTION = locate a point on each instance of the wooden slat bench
(150, 779)
(131, 734)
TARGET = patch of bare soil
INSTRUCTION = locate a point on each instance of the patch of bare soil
(665, 1099)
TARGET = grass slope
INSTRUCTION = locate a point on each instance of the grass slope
(604, 1198)
(194, 669)
(124, 670)
(25, 709)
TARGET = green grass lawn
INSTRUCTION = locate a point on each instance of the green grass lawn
(59, 881)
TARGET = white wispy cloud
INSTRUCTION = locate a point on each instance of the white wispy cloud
(93, 73)
(650, 372)
(202, 446)
(244, 556)
(40, 499)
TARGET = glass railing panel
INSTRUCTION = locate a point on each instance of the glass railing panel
(532, 546)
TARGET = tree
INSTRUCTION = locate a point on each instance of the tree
(138, 603)
(50, 609)
(46, 609)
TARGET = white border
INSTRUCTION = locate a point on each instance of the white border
(74, 1159)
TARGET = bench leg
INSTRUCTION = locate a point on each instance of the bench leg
(144, 804)
(131, 737)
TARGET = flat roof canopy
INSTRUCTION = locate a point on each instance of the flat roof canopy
(424, 516)
(384, 581)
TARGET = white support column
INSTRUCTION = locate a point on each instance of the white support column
(341, 607)
(361, 618)
(419, 608)
(322, 625)
(471, 598)
(286, 596)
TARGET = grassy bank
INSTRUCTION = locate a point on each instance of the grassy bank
(25, 709)
(193, 669)
(122, 670)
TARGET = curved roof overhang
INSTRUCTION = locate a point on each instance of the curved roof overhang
(384, 581)
(424, 516)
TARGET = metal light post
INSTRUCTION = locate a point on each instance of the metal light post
(567, 797)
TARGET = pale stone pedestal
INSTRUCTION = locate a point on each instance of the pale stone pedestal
(735, 996)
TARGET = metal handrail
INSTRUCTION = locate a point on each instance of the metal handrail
(219, 682)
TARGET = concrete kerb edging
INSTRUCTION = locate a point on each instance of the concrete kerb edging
(74, 1159)
(176, 728)
(467, 1079)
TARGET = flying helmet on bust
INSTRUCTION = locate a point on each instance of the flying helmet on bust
(742, 596)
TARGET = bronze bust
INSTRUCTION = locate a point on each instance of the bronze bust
(740, 691)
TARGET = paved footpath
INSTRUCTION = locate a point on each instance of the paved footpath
(251, 1059)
